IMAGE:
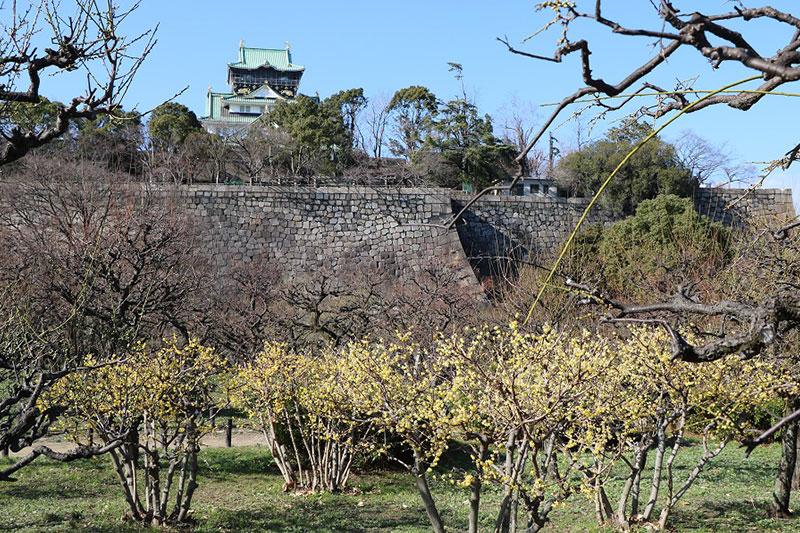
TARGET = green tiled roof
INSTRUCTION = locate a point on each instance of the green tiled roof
(280, 59)
(214, 110)
(214, 107)
(214, 104)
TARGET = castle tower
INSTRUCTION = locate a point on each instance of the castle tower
(259, 80)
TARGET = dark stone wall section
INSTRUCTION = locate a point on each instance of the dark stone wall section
(498, 228)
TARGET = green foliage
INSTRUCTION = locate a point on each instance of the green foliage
(448, 142)
(29, 117)
(170, 124)
(318, 131)
(348, 104)
(663, 244)
(652, 171)
(415, 97)
(113, 139)
(467, 143)
(414, 109)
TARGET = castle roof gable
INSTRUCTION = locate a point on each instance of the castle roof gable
(277, 58)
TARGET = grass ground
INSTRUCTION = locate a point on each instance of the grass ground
(240, 491)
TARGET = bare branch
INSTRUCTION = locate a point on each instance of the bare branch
(81, 452)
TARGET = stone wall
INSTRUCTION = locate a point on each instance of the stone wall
(302, 230)
(398, 231)
(734, 207)
(497, 228)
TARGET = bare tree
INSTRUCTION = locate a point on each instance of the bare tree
(263, 154)
(675, 31)
(518, 124)
(709, 163)
(83, 37)
(89, 265)
(375, 118)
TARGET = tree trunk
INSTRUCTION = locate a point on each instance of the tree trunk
(418, 471)
(474, 504)
(658, 463)
(475, 489)
(504, 515)
(637, 482)
(191, 435)
(632, 485)
(708, 454)
(782, 492)
(603, 510)
(119, 460)
(796, 477)
(512, 516)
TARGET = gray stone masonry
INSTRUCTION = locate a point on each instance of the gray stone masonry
(398, 231)
(302, 229)
(735, 207)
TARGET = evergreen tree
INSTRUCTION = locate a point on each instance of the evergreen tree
(655, 169)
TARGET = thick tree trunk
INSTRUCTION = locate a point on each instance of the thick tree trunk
(418, 471)
(537, 517)
(782, 491)
(474, 504)
(229, 433)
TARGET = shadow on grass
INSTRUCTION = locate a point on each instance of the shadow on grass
(70, 521)
(225, 463)
(745, 512)
(26, 491)
(53, 480)
(42, 463)
(731, 515)
(311, 518)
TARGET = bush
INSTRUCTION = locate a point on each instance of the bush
(666, 243)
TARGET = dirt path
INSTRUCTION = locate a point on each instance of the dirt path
(240, 437)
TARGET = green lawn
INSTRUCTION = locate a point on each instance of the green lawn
(240, 491)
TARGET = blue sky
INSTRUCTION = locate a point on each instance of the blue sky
(384, 46)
